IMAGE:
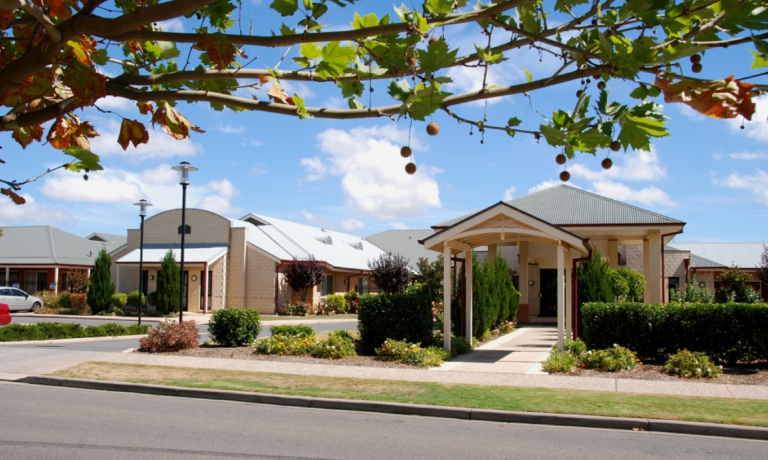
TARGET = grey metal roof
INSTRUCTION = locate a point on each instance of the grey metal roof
(46, 245)
(743, 255)
(110, 240)
(405, 243)
(566, 205)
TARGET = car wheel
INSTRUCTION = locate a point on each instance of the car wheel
(35, 306)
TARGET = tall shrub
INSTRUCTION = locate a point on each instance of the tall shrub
(432, 277)
(303, 275)
(100, 286)
(735, 287)
(494, 297)
(398, 317)
(168, 285)
(594, 281)
(390, 272)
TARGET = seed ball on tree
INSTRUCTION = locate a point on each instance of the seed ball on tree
(695, 59)
(433, 128)
(565, 176)
(433, 40)
(410, 168)
(601, 85)
(412, 61)
(579, 93)
(696, 68)
(615, 146)
(560, 159)
(405, 152)
(607, 163)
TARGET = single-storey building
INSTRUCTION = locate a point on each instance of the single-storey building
(39, 258)
(237, 263)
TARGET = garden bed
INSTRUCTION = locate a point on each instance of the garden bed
(740, 374)
(215, 351)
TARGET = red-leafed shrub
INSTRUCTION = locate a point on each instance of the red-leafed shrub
(169, 336)
(78, 303)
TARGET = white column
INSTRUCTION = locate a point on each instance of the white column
(447, 299)
(568, 295)
(56, 280)
(470, 291)
(653, 280)
(8, 276)
(560, 297)
(492, 251)
(523, 272)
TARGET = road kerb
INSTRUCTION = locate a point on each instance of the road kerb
(77, 340)
(532, 418)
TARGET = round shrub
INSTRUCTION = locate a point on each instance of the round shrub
(559, 361)
(233, 327)
(298, 330)
(170, 336)
(133, 299)
(284, 345)
(338, 345)
(411, 353)
(64, 300)
(691, 365)
(152, 298)
(119, 299)
(460, 346)
(612, 359)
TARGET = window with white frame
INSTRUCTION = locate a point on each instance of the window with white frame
(327, 286)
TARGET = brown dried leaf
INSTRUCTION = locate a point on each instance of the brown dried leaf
(132, 131)
(145, 108)
(726, 98)
(277, 94)
(18, 199)
(173, 123)
(25, 135)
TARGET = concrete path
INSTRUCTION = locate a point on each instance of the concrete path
(520, 352)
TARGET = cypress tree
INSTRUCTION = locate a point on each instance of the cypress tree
(168, 285)
(594, 281)
(100, 286)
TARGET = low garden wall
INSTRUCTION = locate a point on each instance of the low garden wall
(727, 332)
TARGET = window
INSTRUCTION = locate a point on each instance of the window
(364, 286)
(673, 284)
(327, 286)
(622, 256)
(187, 229)
(18, 293)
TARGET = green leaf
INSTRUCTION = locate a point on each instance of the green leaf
(399, 90)
(355, 104)
(641, 92)
(86, 160)
(100, 57)
(364, 22)
(489, 56)
(554, 136)
(309, 51)
(351, 88)
(168, 50)
(436, 56)
(301, 108)
(439, 7)
(514, 121)
(654, 91)
(760, 60)
(285, 7)
(528, 74)
(336, 59)
(637, 132)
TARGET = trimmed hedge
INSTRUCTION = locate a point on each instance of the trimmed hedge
(726, 332)
(299, 330)
(52, 331)
(398, 317)
(232, 327)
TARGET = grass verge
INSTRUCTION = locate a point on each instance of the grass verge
(713, 410)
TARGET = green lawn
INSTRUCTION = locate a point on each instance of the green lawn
(307, 318)
(714, 410)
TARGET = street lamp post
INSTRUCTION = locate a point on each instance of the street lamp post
(184, 168)
(142, 204)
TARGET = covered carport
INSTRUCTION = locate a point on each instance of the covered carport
(499, 225)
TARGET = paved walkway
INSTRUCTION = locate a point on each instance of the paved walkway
(521, 352)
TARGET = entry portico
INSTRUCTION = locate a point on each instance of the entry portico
(505, 225)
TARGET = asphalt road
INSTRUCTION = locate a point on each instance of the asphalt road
(63, 423)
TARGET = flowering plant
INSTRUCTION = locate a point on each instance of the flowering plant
(692, 365)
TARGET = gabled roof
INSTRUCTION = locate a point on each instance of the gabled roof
(742, 255)
(46, 245)
(285, 240)
(406, 243)
(111, 241)
(565, 205)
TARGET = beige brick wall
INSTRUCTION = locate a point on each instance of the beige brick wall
(634, 257)
(261, 273)
(237, 269)
(205, 228)
(217, 288)
(674, 266)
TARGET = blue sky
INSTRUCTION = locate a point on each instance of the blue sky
(348, 175)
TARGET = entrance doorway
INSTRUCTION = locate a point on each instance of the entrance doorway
(548, 300)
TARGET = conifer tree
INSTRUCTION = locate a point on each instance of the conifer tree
(168, 285)
(594, 281)
(100, 286)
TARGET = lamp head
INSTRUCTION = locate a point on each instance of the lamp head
(142, 204)
(184, 168)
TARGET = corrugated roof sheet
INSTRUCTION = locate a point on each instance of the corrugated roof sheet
(405, 243)
(743, 255)
(286, 240)
(111, 242)
(566, 205)
(191, 254)
(46, 245)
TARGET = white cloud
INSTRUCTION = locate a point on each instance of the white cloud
(690, 113)
(114, 103)
(259, 169)
(161, 145)
(373, 172)
(229, 128)
(171, 25)
(643, 166)
(509, 193)
(649, 196)
(748, 156)
(33, 213)
(302, 89)
(470, 79)
(399, 225)
(315, 168)
(757, 128)
(546, 184)
(119, 187)
(756, 184)
(351, 224)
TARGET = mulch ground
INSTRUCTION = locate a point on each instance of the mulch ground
(738, 374)
(247, 353)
